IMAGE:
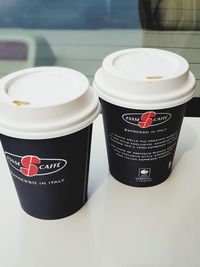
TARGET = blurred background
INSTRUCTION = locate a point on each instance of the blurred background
(79, 34)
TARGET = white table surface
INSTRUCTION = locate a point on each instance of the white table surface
(120, 226)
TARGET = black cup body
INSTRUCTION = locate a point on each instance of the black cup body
(141, 143)
(51, 175)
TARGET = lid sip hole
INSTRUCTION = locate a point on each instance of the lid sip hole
(19, 103)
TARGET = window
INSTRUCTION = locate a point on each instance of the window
(79, 34)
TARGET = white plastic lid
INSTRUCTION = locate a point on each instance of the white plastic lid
(46, 102)
(145, 78)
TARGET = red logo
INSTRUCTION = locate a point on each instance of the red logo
(146, 119)
(29, 168)
(31, 165)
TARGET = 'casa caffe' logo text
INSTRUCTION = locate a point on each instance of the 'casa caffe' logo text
(147, 119)
(31, 165)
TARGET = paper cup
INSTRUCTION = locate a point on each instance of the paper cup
(46, 117)
(143, 94)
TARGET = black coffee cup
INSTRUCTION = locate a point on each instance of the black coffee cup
(143, 95)
(47, 146)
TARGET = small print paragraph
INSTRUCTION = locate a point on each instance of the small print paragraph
(144, 149)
